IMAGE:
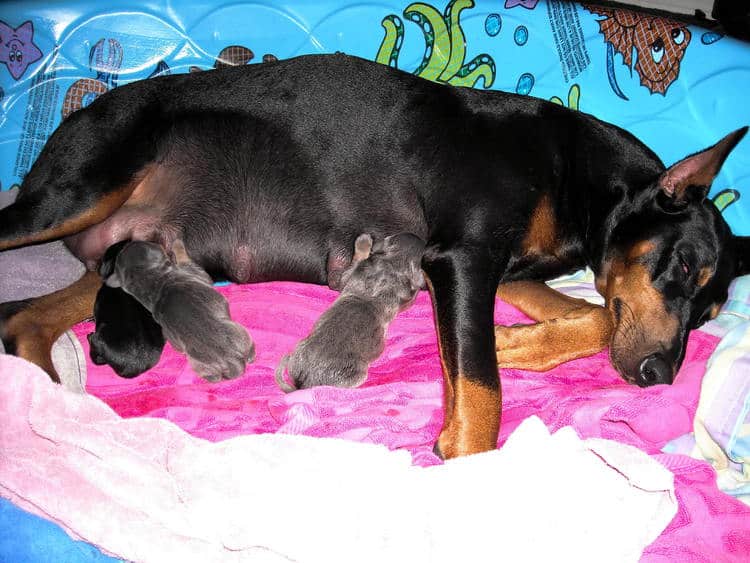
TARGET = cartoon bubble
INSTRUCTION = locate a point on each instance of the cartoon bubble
(521, 35)
(710, 37)
(525, 83)
(493, 24)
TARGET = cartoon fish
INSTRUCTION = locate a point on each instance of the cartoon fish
(17, 49)
(659, 44)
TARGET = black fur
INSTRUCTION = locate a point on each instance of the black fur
(127, 337)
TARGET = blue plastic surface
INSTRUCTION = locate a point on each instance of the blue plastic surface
(678, 88)
(25, 538)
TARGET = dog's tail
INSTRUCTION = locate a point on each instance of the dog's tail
(280, 380)
(87, 169)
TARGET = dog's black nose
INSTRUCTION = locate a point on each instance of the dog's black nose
(654, 369)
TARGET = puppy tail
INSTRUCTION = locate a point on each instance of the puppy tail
(280, 380)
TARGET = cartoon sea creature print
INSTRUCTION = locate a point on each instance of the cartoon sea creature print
(725, 198)
(105, 58)
(234, 55)
(574, 98)
(710, 37)
(17, 48)
(81, 93)
(659, 46)
(528, 4)
(445, 45)
(162, 68)
(525, 84)
(493, 24)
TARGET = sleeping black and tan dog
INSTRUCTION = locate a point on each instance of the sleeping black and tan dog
(383, 279)
(127, 337)
(270, 172)
(193, 316)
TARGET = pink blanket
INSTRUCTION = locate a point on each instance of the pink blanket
(400, 404)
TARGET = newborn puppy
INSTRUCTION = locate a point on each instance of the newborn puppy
(126, 337)
(382, 280)
(193, 316)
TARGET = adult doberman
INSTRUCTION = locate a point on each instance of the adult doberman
(269, 172)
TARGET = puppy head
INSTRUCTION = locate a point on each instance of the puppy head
(404, 251)
(138, 263)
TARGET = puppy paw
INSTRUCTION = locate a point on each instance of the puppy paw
(225, 361)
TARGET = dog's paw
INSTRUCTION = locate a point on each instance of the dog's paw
(227, 361)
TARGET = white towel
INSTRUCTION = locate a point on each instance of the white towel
(144, 490)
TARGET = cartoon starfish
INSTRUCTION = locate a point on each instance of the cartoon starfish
(17, 49)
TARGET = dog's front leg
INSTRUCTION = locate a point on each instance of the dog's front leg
(462, 283)
(568, 328)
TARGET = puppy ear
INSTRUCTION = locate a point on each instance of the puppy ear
(113, 280)
(179, 252)
(362, 248)
(107, 267)
(417, 278)
(741, 247)
(690, 178)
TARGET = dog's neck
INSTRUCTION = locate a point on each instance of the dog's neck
(608, 197)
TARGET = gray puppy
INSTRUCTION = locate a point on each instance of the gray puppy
(382, 280)
(193, 316)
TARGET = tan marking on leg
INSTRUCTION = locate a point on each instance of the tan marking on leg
(475, 421)
(35, 328)
(541, 233)
(448, 395)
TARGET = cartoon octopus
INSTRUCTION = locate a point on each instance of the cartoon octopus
(659, 44)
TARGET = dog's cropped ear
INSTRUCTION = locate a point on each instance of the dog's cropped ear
(362, 248)
(741, 248)
(689, 179)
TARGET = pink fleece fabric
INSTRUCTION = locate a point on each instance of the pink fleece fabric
(400, 405)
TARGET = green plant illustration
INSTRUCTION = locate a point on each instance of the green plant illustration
(574, 97)
(725, 198)
(445, 45)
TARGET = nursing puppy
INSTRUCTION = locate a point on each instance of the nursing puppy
(127, 337)
(382, 280)
(193, 316)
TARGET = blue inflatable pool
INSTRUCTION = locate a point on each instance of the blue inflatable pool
(679, 88)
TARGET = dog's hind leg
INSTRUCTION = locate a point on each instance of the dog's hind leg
(29, 328)
(567, 328)
(462, 283)
(86, 170)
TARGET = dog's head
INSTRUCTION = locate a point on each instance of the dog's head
(667, 267)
